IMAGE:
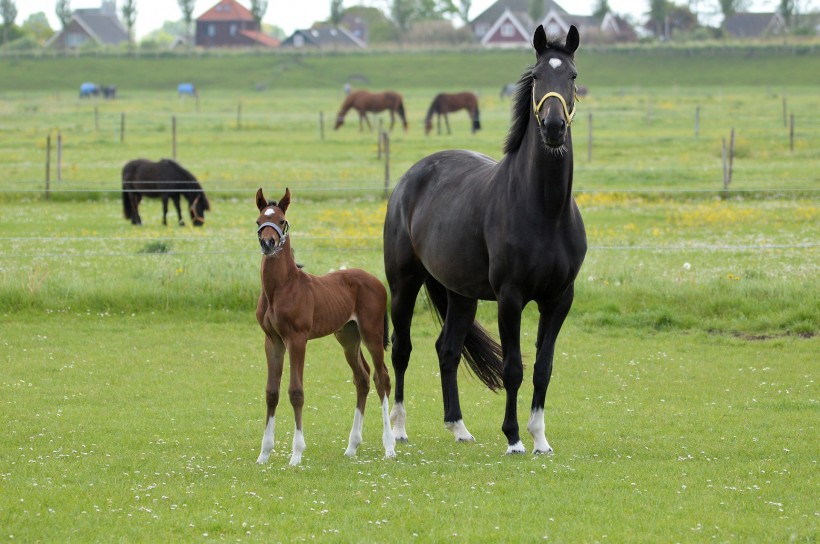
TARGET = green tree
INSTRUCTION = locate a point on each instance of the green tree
(129, 17)
(64, 12)
(37, 27)
(728, 7)
(656, 21)
(464, 10)
(9, 12)
(258, 8)
(535, 9)
(601, 9)
(402, 12)
(187, 9)
(787, 9)
(337, 11)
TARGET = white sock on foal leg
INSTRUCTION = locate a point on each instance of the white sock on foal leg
(536, 429)
(398, 418)
(298, 447)
(459, 430)
(387, 433)
(267, 442)
(355, 434)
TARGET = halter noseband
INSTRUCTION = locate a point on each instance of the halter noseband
(568, 115)
(283, 235)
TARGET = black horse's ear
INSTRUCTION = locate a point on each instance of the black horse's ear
(284, 202)
(261, 203)
(539, 41)
(573, 40)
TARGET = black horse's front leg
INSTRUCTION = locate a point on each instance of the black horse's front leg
(510, 306)
(549, 325)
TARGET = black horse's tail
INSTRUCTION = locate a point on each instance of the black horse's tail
(482, 353)
(476, 120)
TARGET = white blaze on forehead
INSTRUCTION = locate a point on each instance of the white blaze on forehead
(269, 212)
(555, 63)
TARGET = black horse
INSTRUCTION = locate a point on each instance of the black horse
(467, 228)
(165, 179)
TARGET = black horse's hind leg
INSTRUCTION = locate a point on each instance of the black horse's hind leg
(135, 208)
(552, 318)
(510, 306)
(449, 346)
(403, 294)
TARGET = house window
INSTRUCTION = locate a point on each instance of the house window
(74, 39)
(507, 30)
(298, 41)
(233, 29)
(211, 30)
(481, 29)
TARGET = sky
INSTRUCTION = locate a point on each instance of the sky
(282, 13)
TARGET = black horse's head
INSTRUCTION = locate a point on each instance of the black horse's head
(271, 225)
(553, 85)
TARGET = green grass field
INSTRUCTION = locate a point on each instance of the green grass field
(684, 401)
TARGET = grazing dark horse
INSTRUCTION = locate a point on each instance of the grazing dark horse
(467, 228)
(445, 103)
(364, 101)
(165, 179)
(295, 307)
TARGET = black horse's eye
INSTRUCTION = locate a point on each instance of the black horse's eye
(574, 76)
(534, 77)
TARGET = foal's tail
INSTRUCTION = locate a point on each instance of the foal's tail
(401, 113)
(482, 353)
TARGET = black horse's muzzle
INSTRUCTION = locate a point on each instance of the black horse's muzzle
(556, 120)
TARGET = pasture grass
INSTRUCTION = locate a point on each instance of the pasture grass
(146, 425)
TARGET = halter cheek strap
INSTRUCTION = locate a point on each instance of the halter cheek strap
(568, 115)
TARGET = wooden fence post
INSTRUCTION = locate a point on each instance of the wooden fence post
(784, 111)
(122, 127)
(174, 137)
(59, 157)
(731, 153)
(48, 166)
(96, 117)
(239, 116)
(697, 121)
(589, 139)
(791, 132)
(379, 140)
(322, 126)
(725, 167)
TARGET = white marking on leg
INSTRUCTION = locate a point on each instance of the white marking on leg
(459, 430)
(518, 447)
(388, 440)
(298, 447)
(267, 442)
(536, 429)
(398, 417)
(355, 434)
(555, 63)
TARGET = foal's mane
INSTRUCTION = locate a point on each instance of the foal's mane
(522, 102)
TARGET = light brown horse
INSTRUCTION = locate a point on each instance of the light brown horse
(364, 101)
(445, 103)
(295, 307)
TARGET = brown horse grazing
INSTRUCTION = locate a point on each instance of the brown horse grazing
(445, 103)
(295, 307)
(364, 101)
(165, 179)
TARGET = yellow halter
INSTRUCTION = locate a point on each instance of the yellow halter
(569, 115)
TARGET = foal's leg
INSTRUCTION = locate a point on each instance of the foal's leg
(552, 318)
(371, 328)
(296, 347)
(447, 123)
(349, 338)
(275, 354)
(460, 315)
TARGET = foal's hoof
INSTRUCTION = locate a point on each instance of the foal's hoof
(547, 451)
(402, 439)
(459, 431)
(181, 223)
(516, 449)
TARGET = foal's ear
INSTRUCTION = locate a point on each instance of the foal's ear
(573, 40)
(539, 41)
(284, 202)
(261, 203)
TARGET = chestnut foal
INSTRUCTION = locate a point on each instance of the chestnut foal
(295, 307)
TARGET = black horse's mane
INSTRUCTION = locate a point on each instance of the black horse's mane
(522, 103)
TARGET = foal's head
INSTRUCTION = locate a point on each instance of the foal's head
(272, 226)
(553, 85)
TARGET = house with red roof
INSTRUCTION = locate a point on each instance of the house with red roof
(230, 24)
